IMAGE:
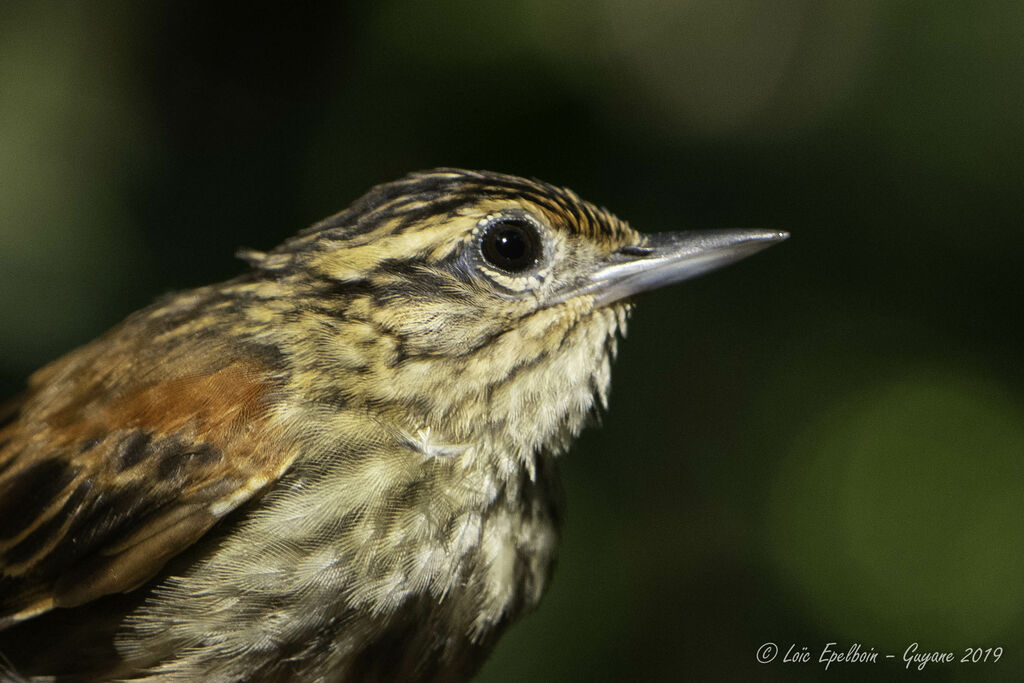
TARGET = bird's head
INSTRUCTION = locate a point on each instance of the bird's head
(476, 299)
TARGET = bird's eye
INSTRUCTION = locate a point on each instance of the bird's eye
(511, 245)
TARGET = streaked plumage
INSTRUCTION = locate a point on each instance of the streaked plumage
(371, 413)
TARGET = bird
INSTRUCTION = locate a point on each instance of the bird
(340, 465)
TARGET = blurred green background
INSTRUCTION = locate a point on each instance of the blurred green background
(823, 443)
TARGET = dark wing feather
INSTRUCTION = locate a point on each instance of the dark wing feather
(102, 484)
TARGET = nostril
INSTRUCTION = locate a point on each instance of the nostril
(637, 252)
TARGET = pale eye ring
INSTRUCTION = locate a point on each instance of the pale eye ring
(511, 245)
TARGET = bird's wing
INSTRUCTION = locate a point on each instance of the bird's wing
(99, 489)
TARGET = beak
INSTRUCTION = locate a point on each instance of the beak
(667, 258)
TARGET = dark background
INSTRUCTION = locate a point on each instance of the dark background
(823, 443)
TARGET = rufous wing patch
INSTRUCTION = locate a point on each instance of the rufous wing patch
(96, 496)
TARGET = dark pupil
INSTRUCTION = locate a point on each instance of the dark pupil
(510, 246)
